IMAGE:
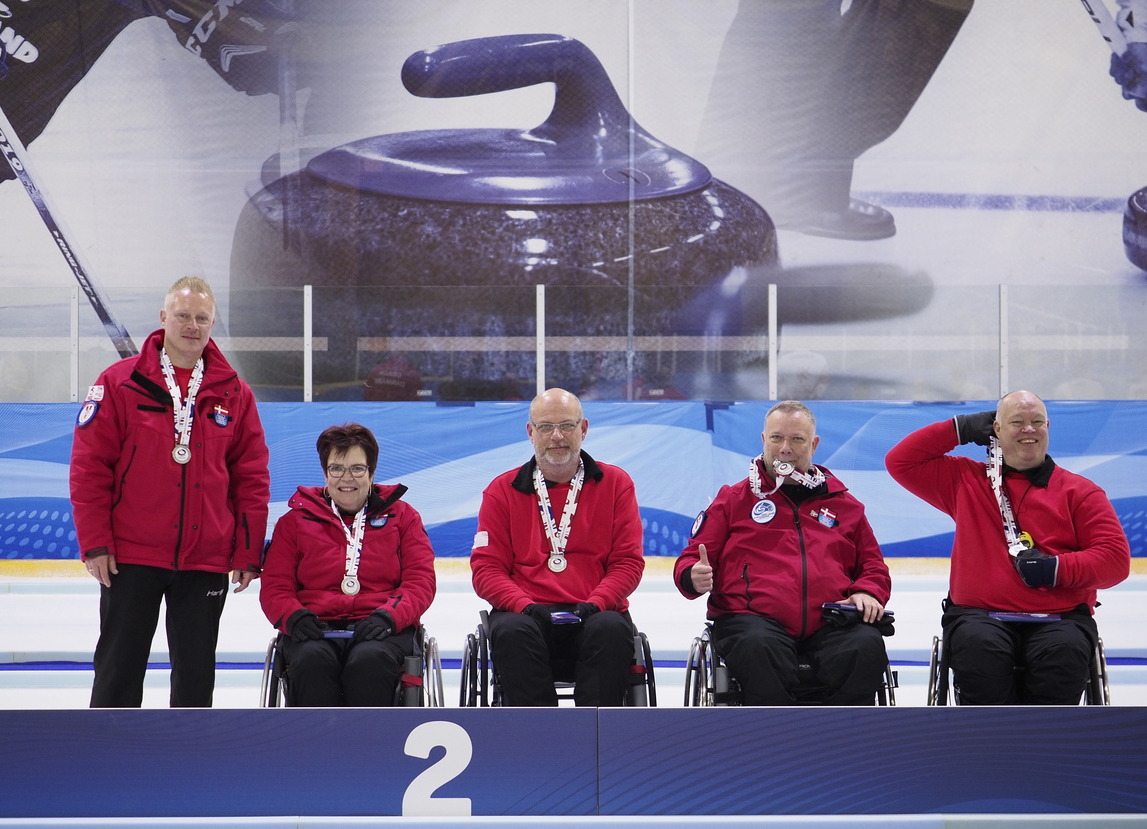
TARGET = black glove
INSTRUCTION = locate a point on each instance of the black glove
(1130, 72)
(303, 624)
(242, 44)
(377, 625)
(975, 428)
(1037, 569)
(538, 612)
(585, 609)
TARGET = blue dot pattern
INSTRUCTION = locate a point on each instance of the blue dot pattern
(37, 528)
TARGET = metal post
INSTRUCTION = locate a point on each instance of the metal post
(1004, 344)
(308, 343)
(75, 331)
(773, 343)
(540, 339)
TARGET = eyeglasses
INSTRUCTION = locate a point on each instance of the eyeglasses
(548, 428)
(357, 471)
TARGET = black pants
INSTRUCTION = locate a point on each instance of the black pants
(529, 656)
(763, 657)
(129, 613)
(326, 673)
(1005, 663)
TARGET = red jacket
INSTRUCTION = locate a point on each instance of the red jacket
(131, 499)
(1066, 515)
(510, 559)
(306, 561)
(822, 550)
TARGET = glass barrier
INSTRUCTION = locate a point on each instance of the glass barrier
(878, 338)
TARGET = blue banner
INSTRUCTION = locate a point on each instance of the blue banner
(678, 453)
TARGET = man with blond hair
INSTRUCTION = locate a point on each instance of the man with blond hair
(170, 489)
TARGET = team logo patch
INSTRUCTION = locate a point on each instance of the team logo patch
(222, 416)
(95, 393)
(379, 520)
(826, 517)
(698, 524)
(87, 412)
(764, 511)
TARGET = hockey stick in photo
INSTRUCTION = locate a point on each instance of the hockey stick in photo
(1108, 28)
(16, 155)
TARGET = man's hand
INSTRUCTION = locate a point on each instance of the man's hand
(975, 428)
(303, 624)
(583, 610)
(243, 578)
(102, 568)
(701, 573)
(539, 613)
(1037, 569)
(377, 625)
(871, 610)
(1130, 72)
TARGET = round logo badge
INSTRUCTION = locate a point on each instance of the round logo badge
(764, 511)
(87, 412)
(700, 522)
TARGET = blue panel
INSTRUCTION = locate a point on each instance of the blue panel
(762, 761)
(189, 763)
(678, 453)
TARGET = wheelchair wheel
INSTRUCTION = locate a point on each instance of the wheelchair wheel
(271, 686)
(1098, 690)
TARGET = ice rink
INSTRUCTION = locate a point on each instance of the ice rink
(54, 619)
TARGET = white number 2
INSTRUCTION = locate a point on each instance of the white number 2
(418, 799)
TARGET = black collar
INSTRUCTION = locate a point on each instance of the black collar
(1038, 475)
(524, 480)
(374, 501)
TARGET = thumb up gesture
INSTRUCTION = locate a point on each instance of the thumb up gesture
(702, 573)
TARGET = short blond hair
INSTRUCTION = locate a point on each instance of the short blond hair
(195, 284)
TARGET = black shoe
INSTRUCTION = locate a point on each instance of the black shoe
(1135, 228)
(862, 222)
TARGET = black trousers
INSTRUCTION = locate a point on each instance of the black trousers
(129, 613)
(529, 656)
(763, 657)
(1008, 663)
(327, 673)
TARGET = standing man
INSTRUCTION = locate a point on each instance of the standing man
(557, 554)
(1031, 538)
(771, 551)
(170, 489)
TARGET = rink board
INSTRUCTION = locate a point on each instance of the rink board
(572, 763)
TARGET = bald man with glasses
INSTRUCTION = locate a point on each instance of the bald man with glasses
(557, 555)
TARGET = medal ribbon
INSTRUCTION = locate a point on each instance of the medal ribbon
(1017, 541)
(184, 409)
(783, 471)
(353, 538)
(558, 535)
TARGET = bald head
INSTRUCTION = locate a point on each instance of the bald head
(556, 428)
(1021, 427)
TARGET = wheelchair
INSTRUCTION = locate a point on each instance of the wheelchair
(480, 685)
(942, 691)
(420, 684)
(709, 683)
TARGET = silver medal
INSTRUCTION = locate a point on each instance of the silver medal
(181, 453)
(557, 563)
(350, 585)
(783, 468)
